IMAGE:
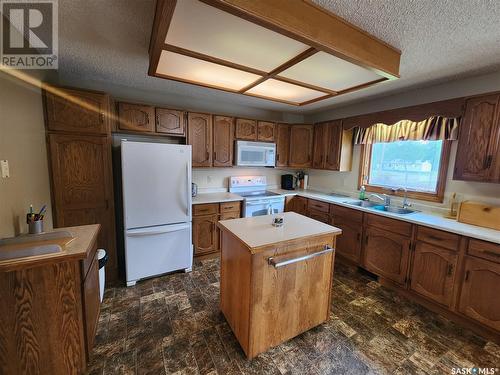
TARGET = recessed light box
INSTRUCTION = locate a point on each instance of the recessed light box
(203, 72)
(330, 72)
(201, 28)
(279, 90)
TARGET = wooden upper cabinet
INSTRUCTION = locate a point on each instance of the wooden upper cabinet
(136, 117)
(319, 147)
(200, 138)
(170, 122)
(246, 129)
(478, 154)
(301, 145)
(223, 141)
(386, 254)
(266, 131)
(282, 144)
(77, 111)
(433, 272)
(479, 297)
(339, 147)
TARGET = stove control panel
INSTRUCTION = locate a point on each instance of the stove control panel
(247, 181)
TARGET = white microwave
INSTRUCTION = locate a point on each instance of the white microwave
(255, 154)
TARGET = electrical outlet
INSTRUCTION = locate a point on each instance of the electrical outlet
(5, 168)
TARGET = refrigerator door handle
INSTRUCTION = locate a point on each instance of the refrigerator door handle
(188, 208)
(150, 232)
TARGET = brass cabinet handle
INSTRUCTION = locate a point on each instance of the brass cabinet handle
(467, 273)
(450, 269)
(272, 262)
(487, 162)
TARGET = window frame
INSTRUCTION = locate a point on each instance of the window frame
(438, 196)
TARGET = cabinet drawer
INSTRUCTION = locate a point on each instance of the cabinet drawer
(319, 215)
(485, 250)
(392, 225)
(346, 213)
(318, 205)
(230, 207)
(438, 237)
(205, 209)
(230, 215)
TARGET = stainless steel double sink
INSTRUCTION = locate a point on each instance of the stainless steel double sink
(381, 207)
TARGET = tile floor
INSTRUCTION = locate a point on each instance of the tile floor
(172, 324)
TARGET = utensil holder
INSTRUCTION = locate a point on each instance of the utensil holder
(35, 227)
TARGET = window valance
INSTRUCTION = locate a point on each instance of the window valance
(431, 129)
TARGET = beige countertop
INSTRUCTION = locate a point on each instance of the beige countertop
(419, 218)
(216, 198)
(258, 231)
(79, 248)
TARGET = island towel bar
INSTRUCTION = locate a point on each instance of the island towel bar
(271, 261)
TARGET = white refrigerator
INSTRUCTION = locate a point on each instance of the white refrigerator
(156, 180)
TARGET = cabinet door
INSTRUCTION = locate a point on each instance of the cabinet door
(200, 138)
(170, 122)
(91, 303)
(282, 144)
(318, 159)
(318, 215)
(77, 111)
(82, 187)
(136, 117)
(265, 131)
(301, 143)
(479, 298)
(333, 145)
(223, 141)
(246, 129)
(433, 272)
(299, 205)
(349, 242)
(386, 254)
(478, 143)
(205, 237)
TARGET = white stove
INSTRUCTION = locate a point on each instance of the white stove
(258, 201)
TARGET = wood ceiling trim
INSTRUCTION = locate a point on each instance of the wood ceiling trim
(287, 64)
(173, 78)
(163, 17)
(215, 60)
(327, 96)
(306, 85)
(273, 99)
(315, 26)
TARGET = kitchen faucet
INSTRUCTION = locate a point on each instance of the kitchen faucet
(406, 204)
(384, 198)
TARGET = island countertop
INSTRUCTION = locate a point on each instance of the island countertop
(258, 231)
(78, 248)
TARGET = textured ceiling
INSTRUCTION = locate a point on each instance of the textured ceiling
(440, 40)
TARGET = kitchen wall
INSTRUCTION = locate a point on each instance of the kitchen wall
(348, 181)
(217, 179)
(22, 143)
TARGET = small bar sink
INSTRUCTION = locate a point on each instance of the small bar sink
(29, 251)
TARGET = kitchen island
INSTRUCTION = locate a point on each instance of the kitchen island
(275, 281)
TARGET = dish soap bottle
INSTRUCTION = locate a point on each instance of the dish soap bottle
(362, 193)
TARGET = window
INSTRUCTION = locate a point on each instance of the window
(418, 166)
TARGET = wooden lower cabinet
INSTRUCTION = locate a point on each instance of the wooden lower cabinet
(297, 204)
(386, 254)
(318, 215)
(479, 298)
(433, 273)
(91, 302)
(206, 234)
(205, 237)
(349, 242)
(266, 306)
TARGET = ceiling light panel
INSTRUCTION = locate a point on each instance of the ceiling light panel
(201, 28)
(203, 72)
(279, 90)
(328, 71)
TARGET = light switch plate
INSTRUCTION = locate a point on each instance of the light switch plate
(5, 168)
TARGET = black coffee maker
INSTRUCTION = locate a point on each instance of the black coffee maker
(288, 181)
